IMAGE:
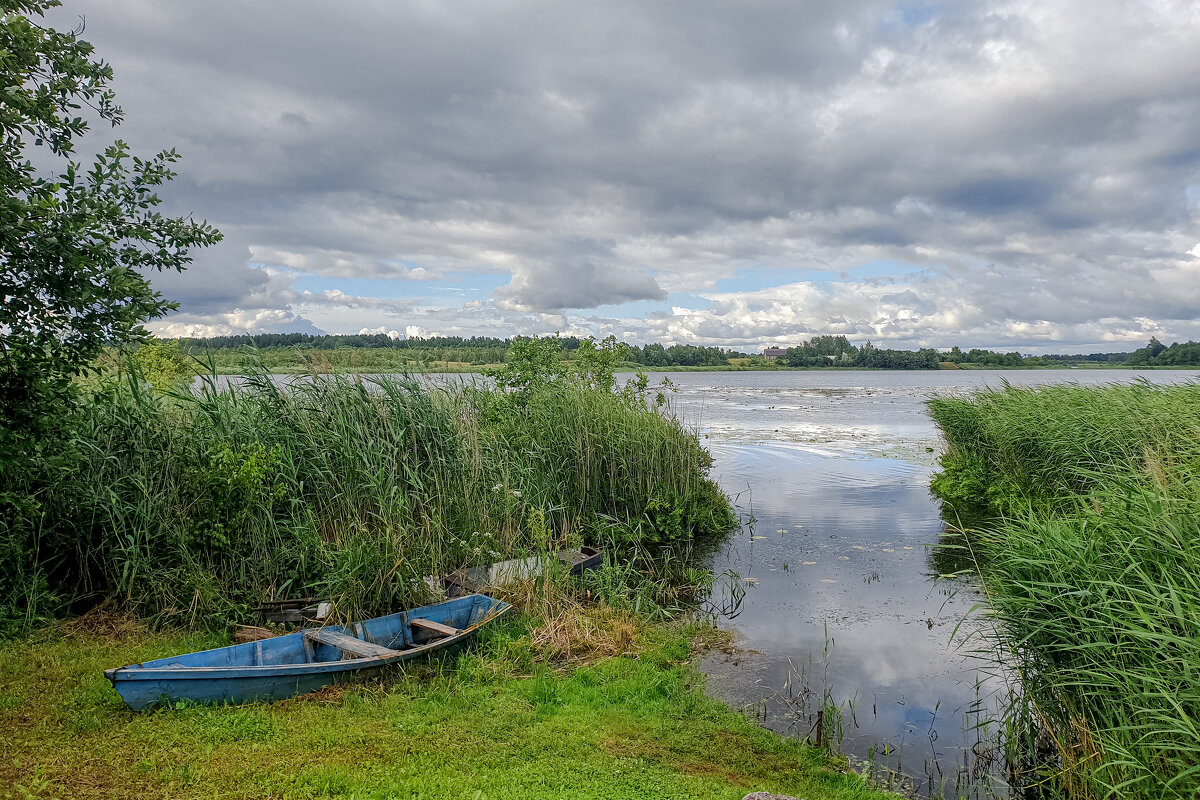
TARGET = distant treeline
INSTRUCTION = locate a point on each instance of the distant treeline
(836, 351)
(474, 350)
(356, 351)
(681, 355)
(1100, 358)
(281, 350)
(265, 341)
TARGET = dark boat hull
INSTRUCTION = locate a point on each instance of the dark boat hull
(470, 579)
(584, 559)
(285, 666)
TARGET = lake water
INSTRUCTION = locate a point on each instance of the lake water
(843, 600)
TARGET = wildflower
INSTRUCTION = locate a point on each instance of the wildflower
(516, 493)
(497, 487)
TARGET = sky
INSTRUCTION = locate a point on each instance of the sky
(1011, 175)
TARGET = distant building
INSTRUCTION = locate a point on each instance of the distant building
(772, 353)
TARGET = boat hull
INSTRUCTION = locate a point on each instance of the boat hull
(583, 559)
(298, 663)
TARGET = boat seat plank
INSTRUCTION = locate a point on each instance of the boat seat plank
(434, 627)
(347, 644)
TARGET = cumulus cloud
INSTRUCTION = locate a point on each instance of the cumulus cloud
(233, 323)
(381, 330)
(1031, 168)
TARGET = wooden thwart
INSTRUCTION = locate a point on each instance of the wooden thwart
(348, 644)
(435, 627)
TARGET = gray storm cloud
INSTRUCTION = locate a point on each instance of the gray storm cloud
(1035, 164)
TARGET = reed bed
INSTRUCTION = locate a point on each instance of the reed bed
(1090, 556)
(191, 506)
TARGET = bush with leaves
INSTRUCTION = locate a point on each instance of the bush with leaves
(74, 247)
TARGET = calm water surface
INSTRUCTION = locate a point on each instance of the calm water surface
(843, 598)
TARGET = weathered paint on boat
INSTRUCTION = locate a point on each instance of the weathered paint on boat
(285, 666)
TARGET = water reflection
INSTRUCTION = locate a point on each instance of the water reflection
(843, 601)
(841, 607)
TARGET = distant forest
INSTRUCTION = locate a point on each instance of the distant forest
(362, 351)
(476, 350)
(838, 351)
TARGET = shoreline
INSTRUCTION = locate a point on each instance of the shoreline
(481, 370)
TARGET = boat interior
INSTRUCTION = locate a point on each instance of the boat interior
(385, 636)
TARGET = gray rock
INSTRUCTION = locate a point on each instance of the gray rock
(769, 796)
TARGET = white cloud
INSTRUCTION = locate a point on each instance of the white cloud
(233, 323)
(380, 330)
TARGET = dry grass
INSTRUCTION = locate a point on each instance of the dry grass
(105, 621)
(252, 633)
(579, 634)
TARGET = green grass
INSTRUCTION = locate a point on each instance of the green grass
(497, 723)
(1092, 565)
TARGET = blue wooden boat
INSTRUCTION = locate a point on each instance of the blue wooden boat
(304, 661)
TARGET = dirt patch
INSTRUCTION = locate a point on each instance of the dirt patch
(709, 770)
(642, 748)
(635, 748)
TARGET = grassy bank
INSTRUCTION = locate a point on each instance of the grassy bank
(1093, 569)
(513, 718)
(189, 507)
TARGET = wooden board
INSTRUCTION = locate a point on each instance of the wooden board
(347, 644)
(435, 627)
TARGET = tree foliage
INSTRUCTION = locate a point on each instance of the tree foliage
(533, 363)
(163, 363)
(822, 351)
(1157, 354)
(76, 247)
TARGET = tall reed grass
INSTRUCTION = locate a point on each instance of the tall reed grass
(194, 505)
(1091, 563)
